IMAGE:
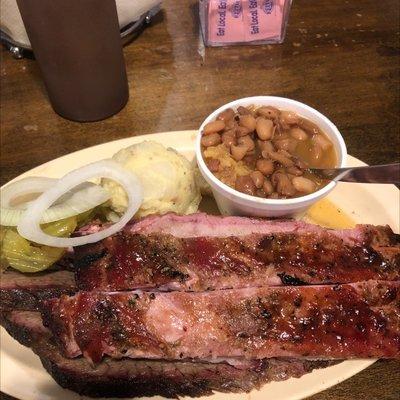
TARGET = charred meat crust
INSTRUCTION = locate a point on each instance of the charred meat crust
(290, 280)
(380, 236)
(131, 378)
(26, 292)
(342, 321)
(174, 379)
(29, 300)
(90, 258)
(182, 379)
(25, 327)
(129, 260)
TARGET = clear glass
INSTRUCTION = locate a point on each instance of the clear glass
(232, 22)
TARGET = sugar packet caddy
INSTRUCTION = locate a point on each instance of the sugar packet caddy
(232, 22)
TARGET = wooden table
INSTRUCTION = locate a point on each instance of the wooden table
(341, 57)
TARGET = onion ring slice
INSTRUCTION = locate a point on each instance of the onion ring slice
(24, 186)
(29, 225)
(82, 198)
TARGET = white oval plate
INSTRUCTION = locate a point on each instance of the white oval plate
(22, 374)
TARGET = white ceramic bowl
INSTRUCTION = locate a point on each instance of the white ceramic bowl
(232, 202)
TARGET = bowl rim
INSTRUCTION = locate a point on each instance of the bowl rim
(259, 200)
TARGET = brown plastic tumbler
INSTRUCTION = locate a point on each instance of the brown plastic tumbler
(78, 47)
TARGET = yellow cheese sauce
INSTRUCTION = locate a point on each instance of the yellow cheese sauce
(327, 214)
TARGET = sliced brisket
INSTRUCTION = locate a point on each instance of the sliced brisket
(343, 321)
(20, 291)
(184, 253)
(130, 378)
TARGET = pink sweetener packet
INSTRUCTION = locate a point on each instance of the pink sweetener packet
(263, 19)
(227, 22)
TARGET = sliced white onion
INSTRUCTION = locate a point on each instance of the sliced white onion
(82, 198)
(29, 226)
(23, 187)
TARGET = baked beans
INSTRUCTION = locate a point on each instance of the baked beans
(267, 152)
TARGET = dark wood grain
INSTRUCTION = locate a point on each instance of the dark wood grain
(341, 57)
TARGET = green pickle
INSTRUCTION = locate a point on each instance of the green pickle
(25, 256)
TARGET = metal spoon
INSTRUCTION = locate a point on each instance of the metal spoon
(388, 173)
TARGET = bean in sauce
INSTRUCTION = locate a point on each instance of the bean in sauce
(267, 152)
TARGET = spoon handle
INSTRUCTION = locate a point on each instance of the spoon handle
(388, 173)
